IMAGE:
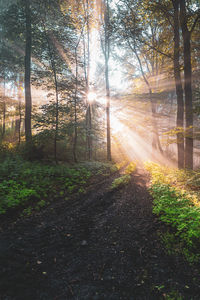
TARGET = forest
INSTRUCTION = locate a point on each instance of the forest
(99, 149)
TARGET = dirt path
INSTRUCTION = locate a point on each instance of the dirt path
(103, 245)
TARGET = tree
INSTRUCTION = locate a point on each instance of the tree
(105, 44)
(186, 33)
(180, 16)
(76, 98)
(131, 32)
(27, 72)
(19, 115)
(178, 84)
(88, 22)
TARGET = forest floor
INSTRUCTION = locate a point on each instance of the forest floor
(101, 245)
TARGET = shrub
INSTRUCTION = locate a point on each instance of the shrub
(13, 194)
(120, 181)
(176, 205)
(121, 164)
(184, 181)
(178, 211)
(130, 168)
(22, 181)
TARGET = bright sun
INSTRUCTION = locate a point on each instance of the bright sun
(91, 97)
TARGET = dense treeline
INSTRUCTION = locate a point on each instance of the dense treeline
(47, 72)
(42, 47)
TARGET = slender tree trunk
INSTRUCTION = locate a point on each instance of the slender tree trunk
(4, 109)
(75, 110)
(18, 112)
(20, 107)
(16, 124)
(56, 116)
(106, 55)
(27, 76)
(87, 80)
(90, 150)
(13, 124)
(4, 118)
(53, 69)
(20, 120)
(88, 87)
(108, 111)
(187, 86)
(75, 99)
(179, 89)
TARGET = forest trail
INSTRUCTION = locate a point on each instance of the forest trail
(103, 245)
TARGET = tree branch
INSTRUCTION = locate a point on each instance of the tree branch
(195, 21)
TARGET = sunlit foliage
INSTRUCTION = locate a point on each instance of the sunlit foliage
(120, 181)
(176, 202)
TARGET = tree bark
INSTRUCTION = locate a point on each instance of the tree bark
(87, 80)
(75, 99)
(56, 116)
(53, 69)
(4, 109)
(187, 86)
(106, 55)
(20, 108)
(75, 109)
(178, 84)
(18, 117)
(27, 75)
(4, 119)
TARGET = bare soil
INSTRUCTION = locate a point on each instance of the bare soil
(101, 245)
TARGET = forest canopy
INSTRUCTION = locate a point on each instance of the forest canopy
(83, 80)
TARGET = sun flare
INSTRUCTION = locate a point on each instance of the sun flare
(91, 97)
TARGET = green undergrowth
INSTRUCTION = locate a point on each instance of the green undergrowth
(24, 183)
(177, 205)
(124, 179)
(120, 181)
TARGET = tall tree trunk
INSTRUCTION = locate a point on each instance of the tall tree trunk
(75, 99)
(108, 111)
(20, 107)
(4, 109)
(56, 115)
(89, 116)
(27, 75)
(187, 86)
(75, 129)
(75, 109)
(179, 89)
(53, 69)
(87, 80)
(88, 87)
(4, 118)
(106, 56)
(18, 117)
